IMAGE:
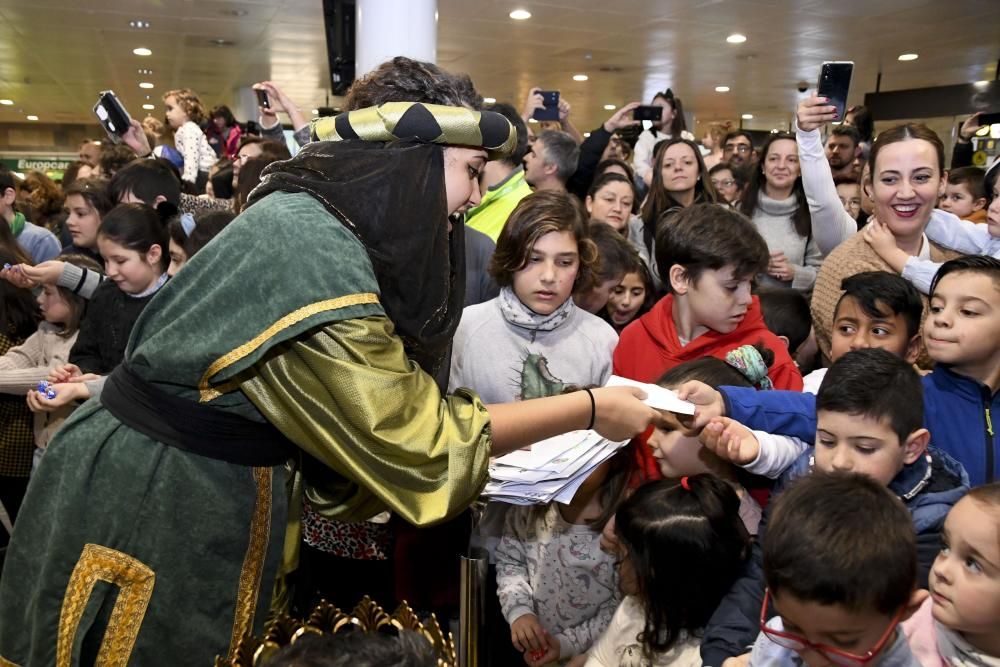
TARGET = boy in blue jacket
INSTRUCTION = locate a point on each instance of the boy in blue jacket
(962, 335)
(869, 412)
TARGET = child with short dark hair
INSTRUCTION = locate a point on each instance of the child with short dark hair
(786, 314)
(958, 623)
(868, 420)
(840, 564)
(708, 257)
(965, 194)
(680, 545)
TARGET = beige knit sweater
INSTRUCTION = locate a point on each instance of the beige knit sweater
(851, 257)
(23, 366)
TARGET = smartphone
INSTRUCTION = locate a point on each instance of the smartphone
(653, 112)
(989, 118)
(835, 83)
(262, 98)
(550, 98)
(112, 115)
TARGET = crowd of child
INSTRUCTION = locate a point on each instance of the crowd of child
(834, 499)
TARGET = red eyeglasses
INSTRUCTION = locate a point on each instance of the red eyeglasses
(800, 643)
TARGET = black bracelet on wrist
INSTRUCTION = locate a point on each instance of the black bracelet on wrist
(593, 409)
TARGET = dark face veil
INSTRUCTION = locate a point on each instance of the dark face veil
(380, 171)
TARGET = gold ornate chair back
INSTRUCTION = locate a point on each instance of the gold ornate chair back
(283, 630)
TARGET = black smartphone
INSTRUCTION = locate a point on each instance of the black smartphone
(653, 112)
(989, 118)
(550, 98)
(835, 83)
(112, 115)
(262, 98)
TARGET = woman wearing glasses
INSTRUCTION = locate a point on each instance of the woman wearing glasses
(730, 182)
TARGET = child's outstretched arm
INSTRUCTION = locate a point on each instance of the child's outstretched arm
(948, 230)
(758, 452)
(783, 412)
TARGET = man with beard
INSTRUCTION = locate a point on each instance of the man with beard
(843, 146)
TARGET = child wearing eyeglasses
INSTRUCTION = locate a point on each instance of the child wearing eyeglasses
(840, 563)
(959, 624)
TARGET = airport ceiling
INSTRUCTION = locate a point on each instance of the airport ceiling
(55, 55)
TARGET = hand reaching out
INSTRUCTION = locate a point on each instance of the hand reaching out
(621, 118)
(708, 404)
(730, 441)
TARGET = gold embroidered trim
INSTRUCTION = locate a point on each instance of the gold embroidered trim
(253, 562)
(135, 582)
(209, 393)
(4, 662)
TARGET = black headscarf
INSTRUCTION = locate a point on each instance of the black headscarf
(392, 197)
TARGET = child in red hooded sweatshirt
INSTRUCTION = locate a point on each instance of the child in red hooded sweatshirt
(707, 256)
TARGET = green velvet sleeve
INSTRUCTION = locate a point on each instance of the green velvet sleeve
(348, 395)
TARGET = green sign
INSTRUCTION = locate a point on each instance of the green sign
(43, 164)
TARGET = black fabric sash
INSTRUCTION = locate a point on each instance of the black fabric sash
(190, 426)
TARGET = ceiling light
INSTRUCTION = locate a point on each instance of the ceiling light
(774, 130)
(148, 107)
(520, 15)
(145, 84)
(6, 103)
(908, 56)
(580, 77)
(142, 51)
(32, 117)
(736, 38)
(610, 107)
(586, 134)
(747, 116)
(490, 100)
(143, 70)
(139, 24)
(722, 89)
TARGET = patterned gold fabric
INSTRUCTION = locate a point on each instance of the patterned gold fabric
(434, 123)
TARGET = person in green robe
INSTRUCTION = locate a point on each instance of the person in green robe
(307, 333)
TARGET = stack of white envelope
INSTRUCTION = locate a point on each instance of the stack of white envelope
(553, 469)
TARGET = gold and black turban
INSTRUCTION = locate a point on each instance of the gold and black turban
(432, 123)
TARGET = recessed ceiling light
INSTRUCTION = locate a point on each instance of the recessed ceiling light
(908, 56)
(610, 107)
(580, 77)
(142, 51)
(145, 84)
(520, 15)
(221, 42)
(32, 117)
(490, 100)
(747, 116)
(6, 103)
(148, 107)
(736, 38)
(139, 24)
(722, 89)
(143, 70)
(774, 130)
